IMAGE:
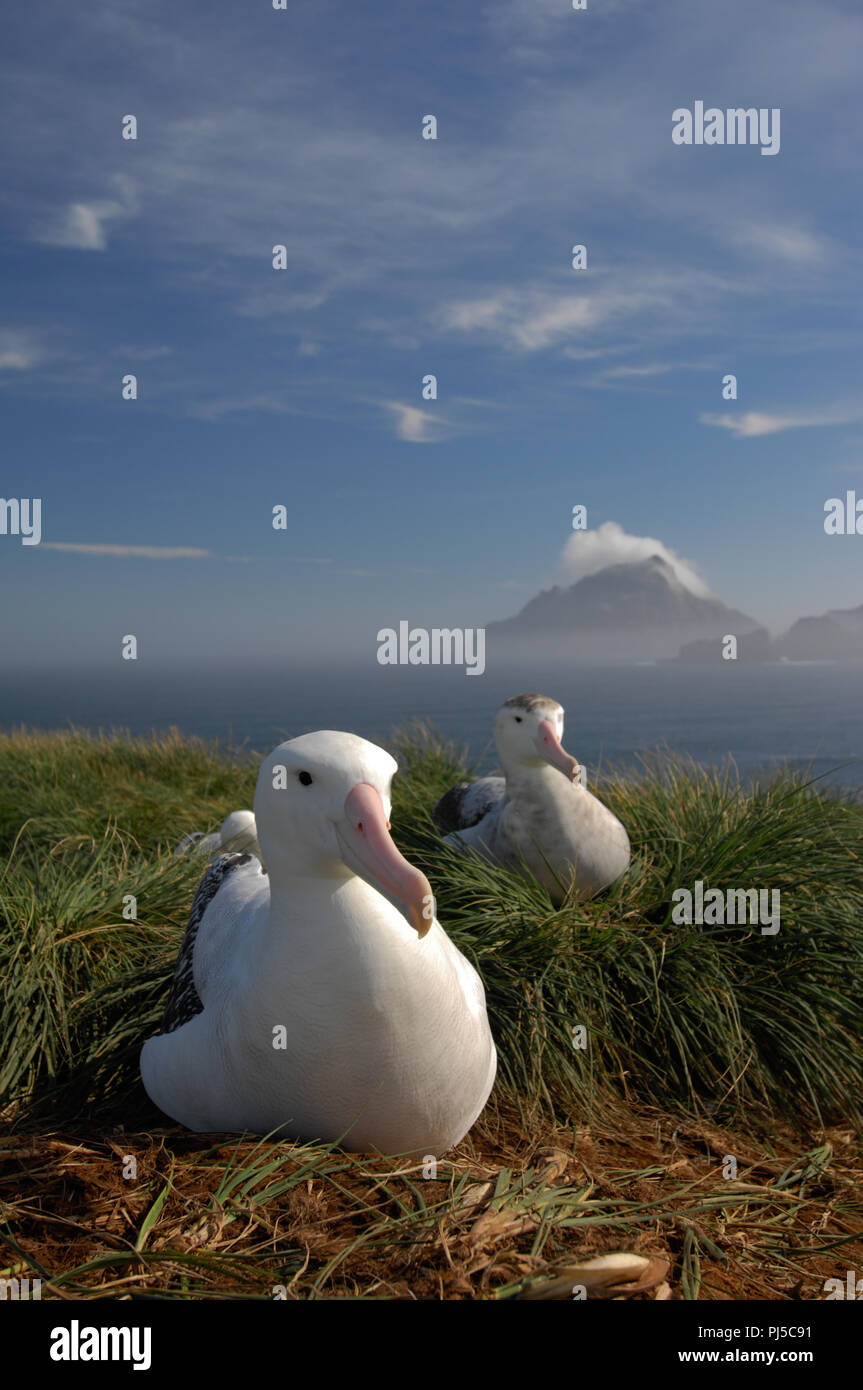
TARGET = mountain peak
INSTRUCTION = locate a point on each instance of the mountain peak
(631, 599)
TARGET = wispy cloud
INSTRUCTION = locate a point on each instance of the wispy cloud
(418, 426)
(526, 26)
(145, 552)
(547, 316)
(588, 552)
(650, 369)
(19, 350)
(754, 423)
(529, 320)
(142, 354)
(82, 226)
(639, 376)
(217, 184)
(271, 402)
(777, 239)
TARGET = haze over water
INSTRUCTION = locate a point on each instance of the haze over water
(810, 715)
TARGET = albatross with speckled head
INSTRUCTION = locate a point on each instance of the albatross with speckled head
(323, 1000)
(539, 815)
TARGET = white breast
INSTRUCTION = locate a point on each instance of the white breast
(386, 1039)
(558, 830)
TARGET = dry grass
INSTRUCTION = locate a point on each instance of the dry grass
(511, 1214)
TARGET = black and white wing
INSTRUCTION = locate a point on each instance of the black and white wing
(188, 842)
(184, 1001)
(468, 803)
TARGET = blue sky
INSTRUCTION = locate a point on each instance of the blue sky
(407, 257)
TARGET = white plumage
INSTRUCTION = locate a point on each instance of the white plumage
(539, 815)
(305, 1000)
(238, 831)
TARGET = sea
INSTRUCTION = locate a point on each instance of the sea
(808, 715)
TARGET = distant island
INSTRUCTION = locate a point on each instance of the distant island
(833, 636)
(643, 611)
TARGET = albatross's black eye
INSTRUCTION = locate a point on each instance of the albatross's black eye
(518, 719)
(305, 778)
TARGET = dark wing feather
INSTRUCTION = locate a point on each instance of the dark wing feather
(184, 1002)
(466, 804)
(188, 841)
(448, 810)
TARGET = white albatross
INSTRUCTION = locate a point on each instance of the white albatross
(238, 831)
(304, 1000)
(540, 813)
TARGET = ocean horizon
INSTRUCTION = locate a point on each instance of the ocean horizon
(808, 716)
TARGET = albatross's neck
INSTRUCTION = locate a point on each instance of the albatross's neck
(533, 779)
(289, 874)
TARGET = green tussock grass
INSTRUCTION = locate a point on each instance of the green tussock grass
(154, 789)
(719, 1019)
(716, 1021)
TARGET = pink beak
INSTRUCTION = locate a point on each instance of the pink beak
(550, 747)
(370, 851)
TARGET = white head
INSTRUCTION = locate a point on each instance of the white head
(238, 831)
(528, 730)
(322, 806)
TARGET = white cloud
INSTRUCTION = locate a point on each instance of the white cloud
(18, 350)
(81, 228)
(591, 354)
(787, 243)
(754, 423)
(536, 319)
(143, 354)
(649, 369)
(588, 552)
(269, 401)
(542, 21)
(417, 426)
(219, 183)
(543, 316)
(146, 552)
(82, 225)
(630, 375)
